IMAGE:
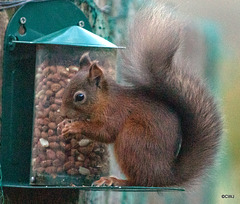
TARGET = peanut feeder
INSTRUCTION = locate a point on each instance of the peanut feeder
(56, 160)
(42, 52)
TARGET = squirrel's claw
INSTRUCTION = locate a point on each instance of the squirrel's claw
(66, 133)
(110, 181)
(103, 181)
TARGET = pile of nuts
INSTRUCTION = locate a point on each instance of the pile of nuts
(52, 155)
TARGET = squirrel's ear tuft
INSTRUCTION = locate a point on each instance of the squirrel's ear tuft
(95, 74)
(85, 61)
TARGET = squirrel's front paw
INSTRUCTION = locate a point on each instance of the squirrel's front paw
(61, 125)
(71, 128)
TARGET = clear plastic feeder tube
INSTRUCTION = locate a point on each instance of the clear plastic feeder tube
(56, 161)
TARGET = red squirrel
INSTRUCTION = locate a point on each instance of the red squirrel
(165, 126)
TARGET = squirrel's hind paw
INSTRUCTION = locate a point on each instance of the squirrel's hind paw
(110, 181)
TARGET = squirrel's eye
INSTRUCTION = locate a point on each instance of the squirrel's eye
(79, 97)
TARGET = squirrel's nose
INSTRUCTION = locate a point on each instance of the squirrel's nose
(62, 112)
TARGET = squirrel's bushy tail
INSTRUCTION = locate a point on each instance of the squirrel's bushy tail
(155, 37)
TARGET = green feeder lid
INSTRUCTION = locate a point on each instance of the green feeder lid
(74, 36)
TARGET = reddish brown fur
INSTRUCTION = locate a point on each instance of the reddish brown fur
(146, 121)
